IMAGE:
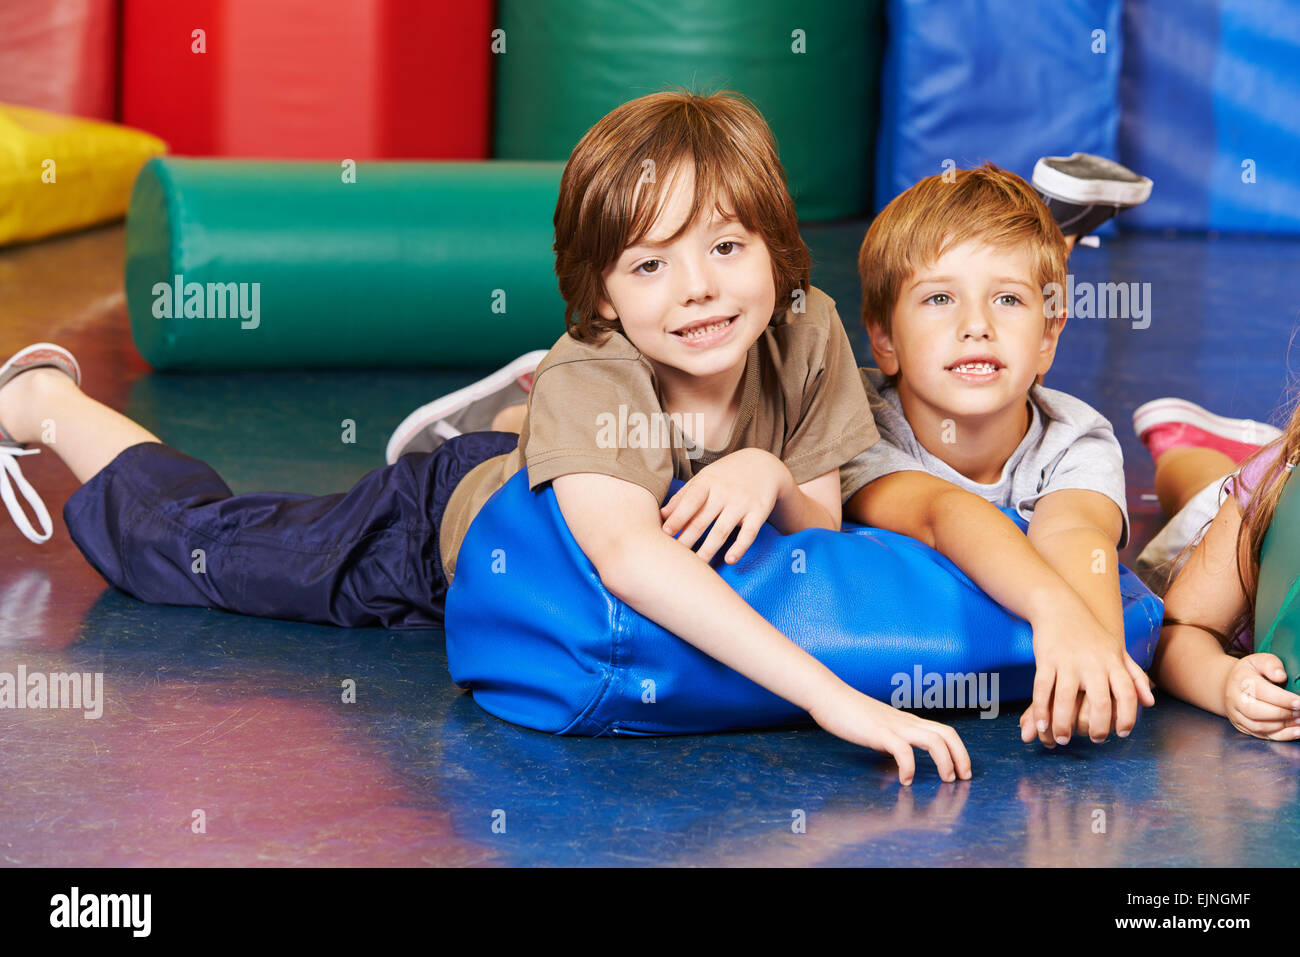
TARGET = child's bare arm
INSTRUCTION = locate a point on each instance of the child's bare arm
(812, 504)
(616, 523)
(968, 530)
(1189, 661)
(965, 528)
(1076, 532)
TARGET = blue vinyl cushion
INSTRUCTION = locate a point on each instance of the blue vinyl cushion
(540, 642)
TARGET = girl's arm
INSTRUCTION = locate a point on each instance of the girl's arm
(617, 525)
(1189, 662)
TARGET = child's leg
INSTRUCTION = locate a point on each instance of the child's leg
(1194, 451)
(1184, 470)
(510, 419)
(87, 435)
(164, 527)
(1193, 447)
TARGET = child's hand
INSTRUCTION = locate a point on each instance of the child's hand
(1253, 702)
(1081, 727)
(1075, 655)
(738, 489)
(873, 724)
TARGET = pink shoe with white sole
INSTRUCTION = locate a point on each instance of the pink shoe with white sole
(1163, 424)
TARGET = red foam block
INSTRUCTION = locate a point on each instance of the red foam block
(60, 55)
(311, 79)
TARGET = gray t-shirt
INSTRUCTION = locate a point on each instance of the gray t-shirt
(1069, 445)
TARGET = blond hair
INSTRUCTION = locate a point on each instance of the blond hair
(943, 211)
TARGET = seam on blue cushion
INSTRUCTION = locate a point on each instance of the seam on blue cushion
(1154, 608)
(583, 716)
(639, 729)
(610, 670)
(616, 644)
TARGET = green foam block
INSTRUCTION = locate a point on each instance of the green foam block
(1277, 598)
(812, 70)
(285, 264)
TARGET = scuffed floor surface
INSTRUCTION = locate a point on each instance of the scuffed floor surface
(225, 740)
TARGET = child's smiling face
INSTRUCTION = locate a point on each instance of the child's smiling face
(968, 334)
(698, 303)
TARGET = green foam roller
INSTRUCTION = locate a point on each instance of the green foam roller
(1277, 597)
(811, 69)
(256, 265)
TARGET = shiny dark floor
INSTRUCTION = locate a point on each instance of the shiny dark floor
(242, 719)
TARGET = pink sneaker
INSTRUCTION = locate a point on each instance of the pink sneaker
(1163, 424)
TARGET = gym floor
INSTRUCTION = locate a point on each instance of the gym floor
(242, 719)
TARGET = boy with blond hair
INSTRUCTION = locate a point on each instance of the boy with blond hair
(954, 273)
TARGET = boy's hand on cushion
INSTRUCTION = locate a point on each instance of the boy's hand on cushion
(739, 489)
(1074, 654)
(1255, 704)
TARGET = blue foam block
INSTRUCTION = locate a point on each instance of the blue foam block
(997, 80)
(1209, 99)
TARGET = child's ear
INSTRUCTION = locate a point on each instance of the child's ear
(882, 349)
(606, 309)
(1047, 351)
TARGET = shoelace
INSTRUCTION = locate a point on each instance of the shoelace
(445, 429)
(9, 469)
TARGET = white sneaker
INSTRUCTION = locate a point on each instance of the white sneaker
(24, 360)
(470, 409)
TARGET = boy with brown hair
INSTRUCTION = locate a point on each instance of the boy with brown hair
(954, 275)
(688, 305)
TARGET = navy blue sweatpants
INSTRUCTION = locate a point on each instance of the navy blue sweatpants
(165, 528)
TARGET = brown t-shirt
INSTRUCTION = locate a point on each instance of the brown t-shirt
(598, 408)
